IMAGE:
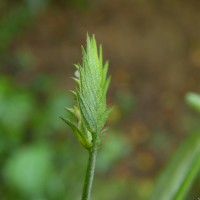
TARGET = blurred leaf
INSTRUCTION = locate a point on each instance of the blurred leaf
(193, 100)
(55, 109)
(178, 176)
(29, 168)
(49, 121)
(16, 108)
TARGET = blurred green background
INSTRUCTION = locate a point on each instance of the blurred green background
(154, 53)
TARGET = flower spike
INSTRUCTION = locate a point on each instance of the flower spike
(91, 112)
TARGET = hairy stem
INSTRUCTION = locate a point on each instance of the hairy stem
(89, 173)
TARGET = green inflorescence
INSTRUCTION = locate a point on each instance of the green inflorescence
(90, 112)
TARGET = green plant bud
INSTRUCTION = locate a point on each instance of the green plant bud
(90, 112)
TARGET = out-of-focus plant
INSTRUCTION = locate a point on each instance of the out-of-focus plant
(16, 108)
(30, 136)
(90, 112)
(36, 162)
(177, 178)
(193, 100)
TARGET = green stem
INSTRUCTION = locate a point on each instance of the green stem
(89, 173)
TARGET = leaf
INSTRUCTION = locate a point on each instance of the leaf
(193, 100)
(177, 178)
(85, 140)
(29, 169)
(71, 111)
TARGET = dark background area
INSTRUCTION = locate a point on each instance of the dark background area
(153, 48)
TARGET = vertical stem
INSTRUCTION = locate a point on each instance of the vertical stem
(89, 173)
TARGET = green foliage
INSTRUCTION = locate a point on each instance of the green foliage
(28, 116)
(16, 108)
(90, 113)
(193, 100)
(29, 169)
(178, 176)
